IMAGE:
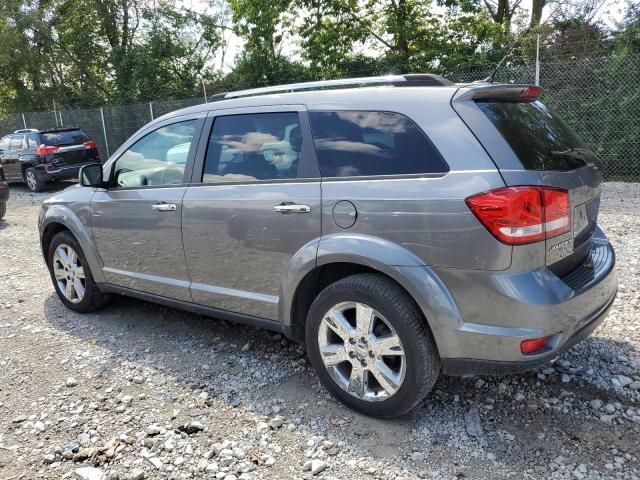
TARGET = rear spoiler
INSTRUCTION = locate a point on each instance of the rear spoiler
(499, 93)
(59, 129)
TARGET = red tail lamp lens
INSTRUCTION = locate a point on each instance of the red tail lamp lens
(46, 149)
(530, 94)
(521, 215)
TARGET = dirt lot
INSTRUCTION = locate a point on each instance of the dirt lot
(142, 391)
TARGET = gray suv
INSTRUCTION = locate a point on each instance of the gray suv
(401, 227)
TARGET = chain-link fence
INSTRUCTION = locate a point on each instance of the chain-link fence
(598, 96)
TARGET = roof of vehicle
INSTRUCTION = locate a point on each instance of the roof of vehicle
(47, 130)
(60, 129)
(27, 130)
(356, 93)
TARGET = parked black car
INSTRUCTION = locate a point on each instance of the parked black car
(36, 157)
(4, 193)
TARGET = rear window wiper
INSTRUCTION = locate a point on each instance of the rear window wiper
(580, 156)
(574, 152)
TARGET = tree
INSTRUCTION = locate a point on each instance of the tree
(329, 31)
(89, 52)
(536, 12)
(502, 11)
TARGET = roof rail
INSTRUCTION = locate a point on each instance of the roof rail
(26, 130)
(412, 80)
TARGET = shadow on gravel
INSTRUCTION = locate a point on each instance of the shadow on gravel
(50, 188)
(548, 419)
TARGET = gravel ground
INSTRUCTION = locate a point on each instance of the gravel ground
(141, 391)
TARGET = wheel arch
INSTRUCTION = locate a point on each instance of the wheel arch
(433, 299)
(58, 218)
(26, 163)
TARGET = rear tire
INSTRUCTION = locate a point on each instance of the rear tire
(71, 275)
(3, 209)
(395, 376)
(33, 182)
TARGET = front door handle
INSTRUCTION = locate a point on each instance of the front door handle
(291, 208)
(164, 207)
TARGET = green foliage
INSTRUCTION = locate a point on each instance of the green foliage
(92, 52)
(97, 52)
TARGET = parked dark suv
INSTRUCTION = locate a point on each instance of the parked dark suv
(400, 231)
(36, 157)
(4, 193)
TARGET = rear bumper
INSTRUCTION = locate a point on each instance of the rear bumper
(470, 366)
(500, 310)
(49, 172)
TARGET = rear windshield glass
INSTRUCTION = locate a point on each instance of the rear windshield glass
(67, 137)
(540, 139)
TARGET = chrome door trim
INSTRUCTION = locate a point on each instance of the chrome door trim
(151, 278)
(232, 292)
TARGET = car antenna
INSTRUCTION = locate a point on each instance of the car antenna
(492, 78)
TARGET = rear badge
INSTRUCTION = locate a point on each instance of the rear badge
(560, 245)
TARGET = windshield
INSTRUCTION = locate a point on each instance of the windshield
(540, 139)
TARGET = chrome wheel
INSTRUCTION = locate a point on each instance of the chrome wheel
(69, 273)
(362, 351)
(32, 181)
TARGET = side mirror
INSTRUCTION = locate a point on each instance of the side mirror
(91, 175)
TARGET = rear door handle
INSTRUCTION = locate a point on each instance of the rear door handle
(292, 208)
(164, 207)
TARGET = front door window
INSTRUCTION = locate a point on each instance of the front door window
(158, 158)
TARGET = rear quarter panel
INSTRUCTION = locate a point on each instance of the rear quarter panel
(425, 214)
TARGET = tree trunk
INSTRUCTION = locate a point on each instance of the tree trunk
(401, 41)
(536, 12)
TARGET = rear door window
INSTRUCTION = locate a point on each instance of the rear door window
(251, 147)
(538, 137)
(16, 142)
(5, 143)
(366, 143)
(64, 137)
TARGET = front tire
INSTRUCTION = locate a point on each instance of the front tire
(32, 180)
(370, 345)
(3, 209)
(71, 275)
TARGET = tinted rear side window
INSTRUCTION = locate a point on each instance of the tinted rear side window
(66, 137)
(539, 138)
(360, 143)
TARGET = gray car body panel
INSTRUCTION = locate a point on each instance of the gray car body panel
(479, 296)
(71, 209)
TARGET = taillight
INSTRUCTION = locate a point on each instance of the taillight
(530, 94)
(557, 219)
(520, 215)
(43, 150)
(90, 144)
